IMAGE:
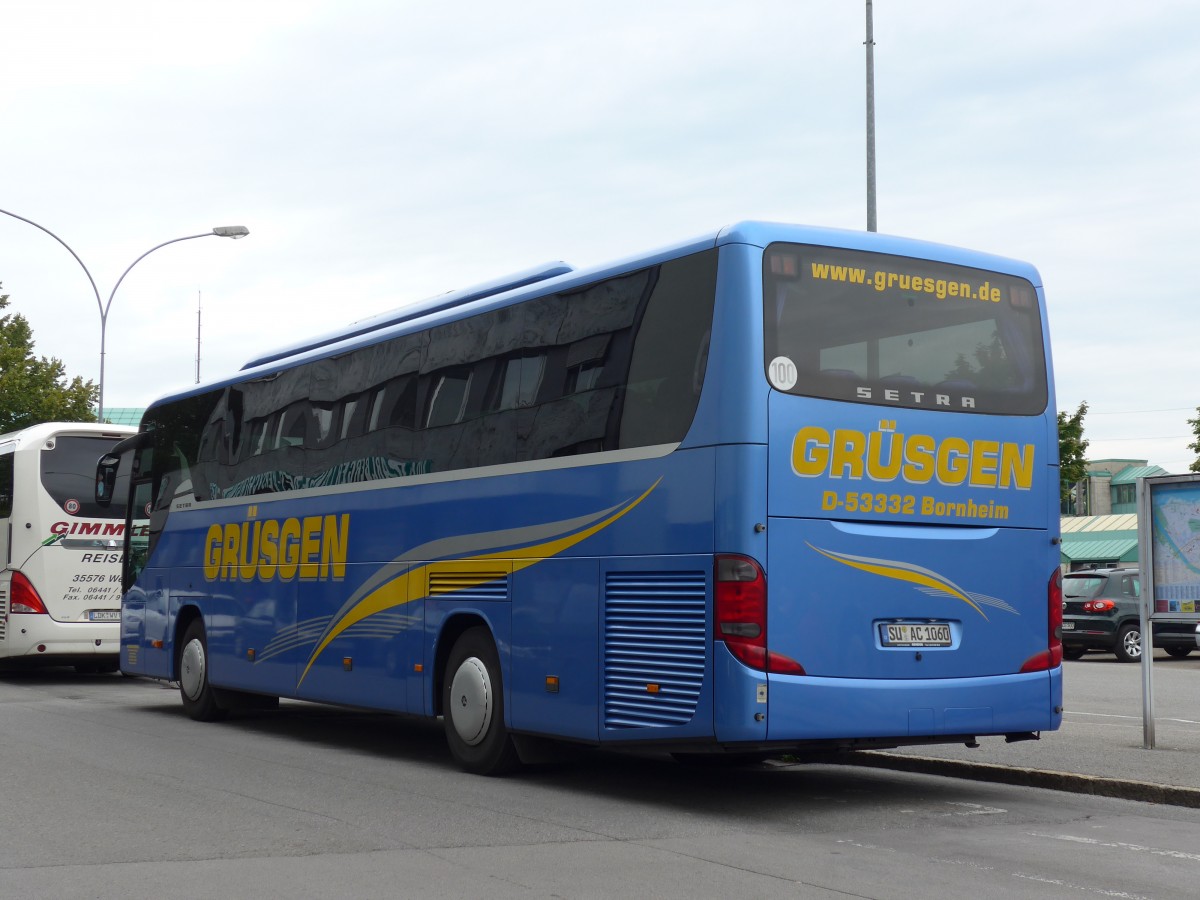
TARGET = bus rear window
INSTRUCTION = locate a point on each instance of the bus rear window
(896, 331)
(69, 476)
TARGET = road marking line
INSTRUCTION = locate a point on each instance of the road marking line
(1070, 713)
(1118, 845)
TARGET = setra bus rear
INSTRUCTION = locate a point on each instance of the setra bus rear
(60, 588)
(911, 573)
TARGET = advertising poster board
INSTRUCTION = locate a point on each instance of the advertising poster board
(1169, 560)
(1169, 546)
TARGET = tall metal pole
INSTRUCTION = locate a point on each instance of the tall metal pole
(197, 337)
(870, 42)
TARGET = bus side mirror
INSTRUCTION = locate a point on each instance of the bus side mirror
(106, 478)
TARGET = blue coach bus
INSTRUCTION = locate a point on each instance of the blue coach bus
(775, 489)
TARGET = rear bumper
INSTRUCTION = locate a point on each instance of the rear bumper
(803, 708)
(1097, 633)
(40, 636)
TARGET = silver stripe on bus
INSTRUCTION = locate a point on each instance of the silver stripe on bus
(607, 457)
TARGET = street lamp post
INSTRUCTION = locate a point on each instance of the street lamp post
(229, 231)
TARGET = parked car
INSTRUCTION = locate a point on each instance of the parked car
(1100, 612)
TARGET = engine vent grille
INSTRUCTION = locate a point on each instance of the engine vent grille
(655, 640)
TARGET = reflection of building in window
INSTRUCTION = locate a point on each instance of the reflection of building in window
(394, 405)
(611, 365)
(517, 382)
(293, 425)
(448, 399)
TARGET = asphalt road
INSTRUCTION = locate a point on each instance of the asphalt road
(1101, 747)
(110, 791)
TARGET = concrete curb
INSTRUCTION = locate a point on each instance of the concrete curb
(1143, 791)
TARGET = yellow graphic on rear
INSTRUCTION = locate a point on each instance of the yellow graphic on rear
(924, 580)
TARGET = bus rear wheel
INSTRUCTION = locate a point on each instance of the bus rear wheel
(199, 698)
(473, 706)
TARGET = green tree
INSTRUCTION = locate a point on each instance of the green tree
(1072, 451)
(991, 368)
(1194, 446)
(32, 389)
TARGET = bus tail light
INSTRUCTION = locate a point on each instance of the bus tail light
(22, 598)
(1051, 657)
(740, 615)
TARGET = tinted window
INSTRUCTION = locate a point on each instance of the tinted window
(615, 364)
(670, 354)
(6, 485)
(872, 328)
(1081, 586)
(448, 397)
(516, 382)
(69, 476)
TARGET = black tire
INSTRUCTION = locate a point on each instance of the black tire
(199, 698)
(1129, 643)
(1178, 652)
(1074, 652)
(473, 706)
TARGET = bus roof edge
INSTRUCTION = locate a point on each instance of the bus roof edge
(421, 308)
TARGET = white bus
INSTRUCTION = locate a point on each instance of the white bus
(60, 589)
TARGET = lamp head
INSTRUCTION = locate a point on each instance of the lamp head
(231, 231)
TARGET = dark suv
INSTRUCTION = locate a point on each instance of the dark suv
(1100, 612)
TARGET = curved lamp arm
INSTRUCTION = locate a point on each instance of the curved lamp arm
(69, 250)
(229, 231)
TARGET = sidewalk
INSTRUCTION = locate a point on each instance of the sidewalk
(1100, 747)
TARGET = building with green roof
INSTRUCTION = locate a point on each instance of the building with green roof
(1099, 521)
(124, 415)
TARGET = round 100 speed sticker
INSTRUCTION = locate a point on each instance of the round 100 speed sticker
(781, 372)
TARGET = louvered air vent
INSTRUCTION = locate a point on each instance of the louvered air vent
(481, 584)
(654, 648)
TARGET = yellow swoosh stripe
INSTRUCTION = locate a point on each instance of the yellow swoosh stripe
(900, 572)
(396, 592)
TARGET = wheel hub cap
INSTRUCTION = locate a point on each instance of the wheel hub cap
(191, 669)
(471, 701)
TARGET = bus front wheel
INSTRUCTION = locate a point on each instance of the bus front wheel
(199, 698)
(473, 706)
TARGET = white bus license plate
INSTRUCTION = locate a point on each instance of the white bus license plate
(906, 634)
(105, 615)
(1068, 626)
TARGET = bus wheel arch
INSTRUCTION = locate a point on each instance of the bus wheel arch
(472, 704)
(197, 693)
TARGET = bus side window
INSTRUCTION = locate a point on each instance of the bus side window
(670, 353)
(6, 485)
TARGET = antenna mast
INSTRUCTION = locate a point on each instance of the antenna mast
(197, 337)
(870, 42)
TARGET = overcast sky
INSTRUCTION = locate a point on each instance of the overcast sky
(384, 152)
